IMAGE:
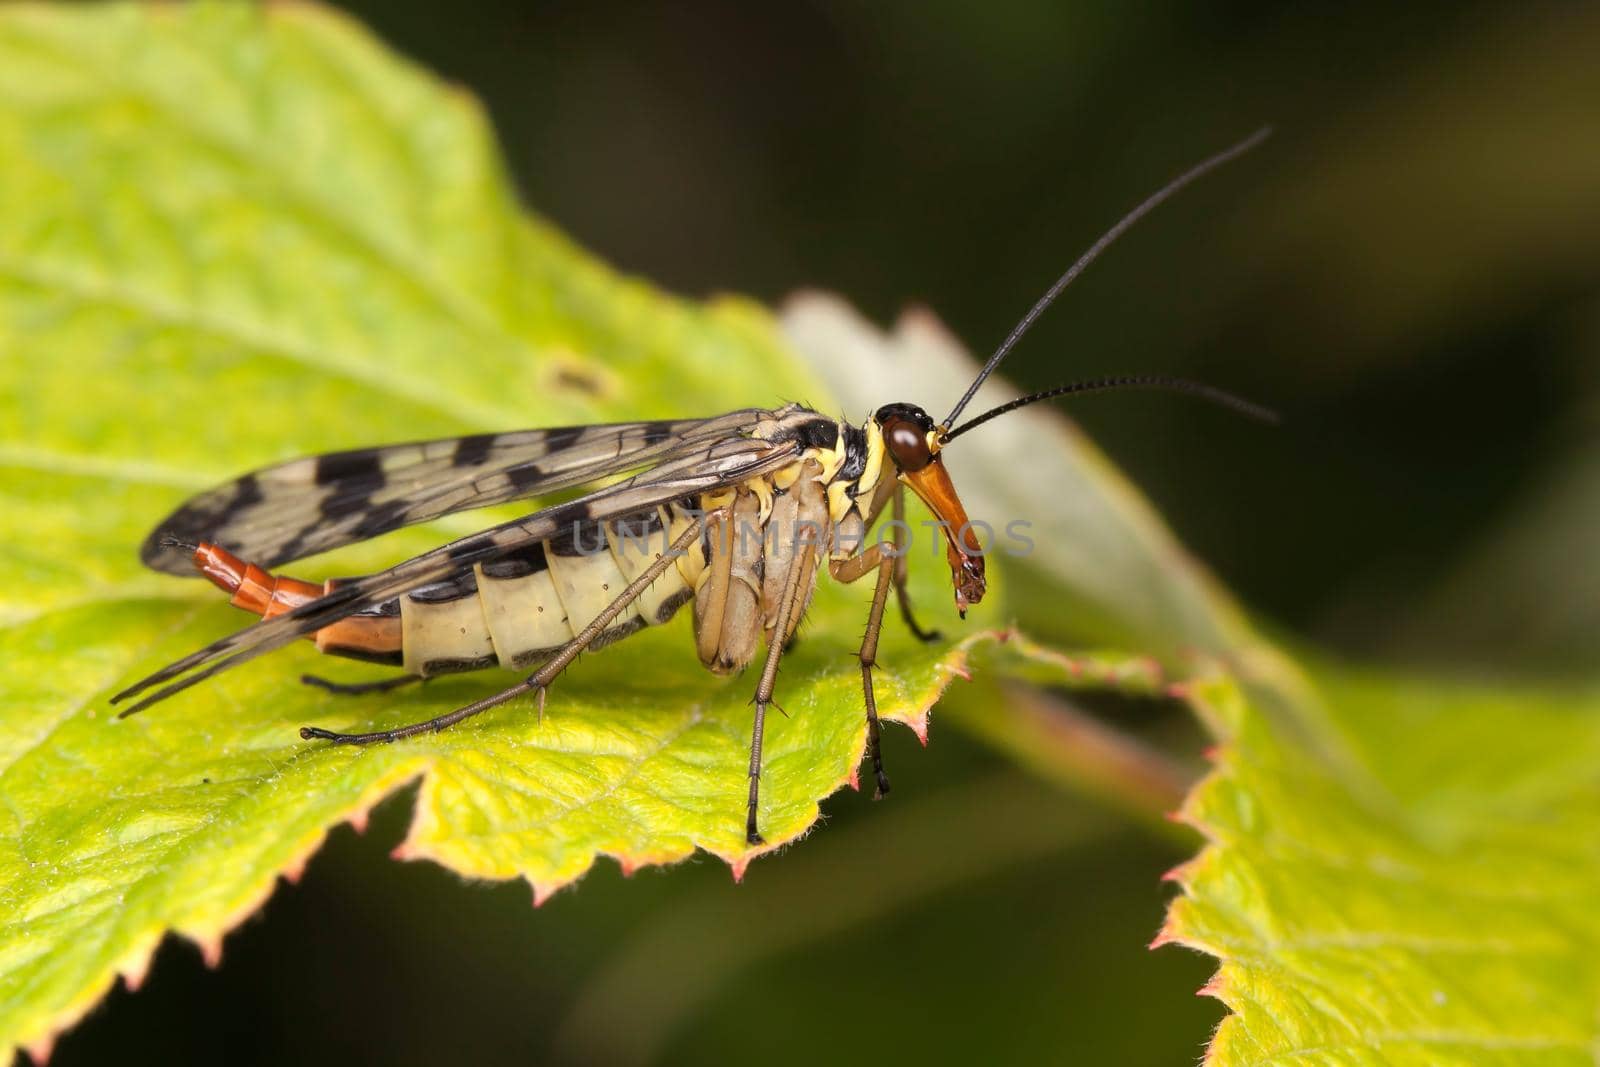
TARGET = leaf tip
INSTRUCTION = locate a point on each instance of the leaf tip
(919, 726)
(40, 1051)
(210, 946)
(134, 974)
(295, 871)
(1178, 873)
(959, 669)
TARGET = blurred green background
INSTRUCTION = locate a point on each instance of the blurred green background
(1410, 271)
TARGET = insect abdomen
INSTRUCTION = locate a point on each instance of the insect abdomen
(375, 635)
(515, 612)
(519, 610)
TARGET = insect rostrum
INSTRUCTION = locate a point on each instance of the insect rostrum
(535, 592)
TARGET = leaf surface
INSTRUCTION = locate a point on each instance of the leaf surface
(1432, 903)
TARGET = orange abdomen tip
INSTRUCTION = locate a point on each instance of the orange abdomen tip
(268, 595)
(253, 589)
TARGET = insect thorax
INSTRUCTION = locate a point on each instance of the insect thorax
(850, 462)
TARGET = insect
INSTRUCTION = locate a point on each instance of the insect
(736, 514)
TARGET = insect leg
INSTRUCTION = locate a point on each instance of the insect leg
(540, 679)
(901, 568)
(350, 689)
(799, 568)
(869, 660)
(850, 570)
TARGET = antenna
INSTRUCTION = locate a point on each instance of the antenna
(1151, 202)
(1126, 381)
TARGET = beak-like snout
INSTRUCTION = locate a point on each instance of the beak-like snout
(962, 548)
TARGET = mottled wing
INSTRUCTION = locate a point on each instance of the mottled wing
(310, 505)
(709, 466)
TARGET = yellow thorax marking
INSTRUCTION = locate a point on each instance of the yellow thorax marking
(839, 501)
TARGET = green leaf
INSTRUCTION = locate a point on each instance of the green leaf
(230, 235)
(1430, 902)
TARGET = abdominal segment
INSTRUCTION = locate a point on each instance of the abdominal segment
(514, 612)
(374, 635)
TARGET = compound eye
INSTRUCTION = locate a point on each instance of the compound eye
(907, 444)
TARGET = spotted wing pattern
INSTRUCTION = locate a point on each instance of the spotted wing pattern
(701, 467)
(310, 505)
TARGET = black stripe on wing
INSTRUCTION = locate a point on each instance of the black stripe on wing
(712, 466)
(310, 505)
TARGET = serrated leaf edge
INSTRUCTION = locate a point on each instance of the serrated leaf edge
(133, 965)
(1207, 699)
